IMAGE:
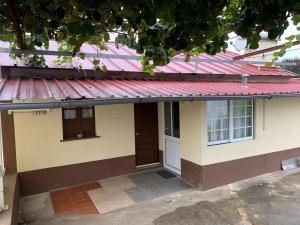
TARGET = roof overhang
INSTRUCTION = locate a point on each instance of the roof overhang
(92, 102)
(34, 93)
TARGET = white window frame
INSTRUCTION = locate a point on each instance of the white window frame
(172, 121)
(230, 128)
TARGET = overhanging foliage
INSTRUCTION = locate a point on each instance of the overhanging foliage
(156, 29)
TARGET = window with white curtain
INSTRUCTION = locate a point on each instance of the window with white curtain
(218, 121)
(229, 121)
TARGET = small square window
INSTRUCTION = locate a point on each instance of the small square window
(78, 123)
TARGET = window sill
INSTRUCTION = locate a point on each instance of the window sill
(78, 139)
(230, 142)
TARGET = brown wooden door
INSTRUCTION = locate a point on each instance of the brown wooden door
(146, 133)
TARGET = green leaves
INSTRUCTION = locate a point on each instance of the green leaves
(76, 28)
(87, 29)
(289, 44)
(7, 37)
(273, 33)
(156, 29)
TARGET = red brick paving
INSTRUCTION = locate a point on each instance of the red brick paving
(74, 200)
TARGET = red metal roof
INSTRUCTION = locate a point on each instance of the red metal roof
(56, 90)
(134, 65)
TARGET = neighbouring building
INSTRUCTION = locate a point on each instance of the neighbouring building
(240, 45)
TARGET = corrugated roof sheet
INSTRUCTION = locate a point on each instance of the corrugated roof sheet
(134, 66)
(54, 89)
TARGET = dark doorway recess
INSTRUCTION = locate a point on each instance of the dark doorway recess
(146, 133)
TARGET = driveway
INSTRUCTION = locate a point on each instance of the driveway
(271, 199)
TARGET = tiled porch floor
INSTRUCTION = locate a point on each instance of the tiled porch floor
(108, 195)
(74, 200)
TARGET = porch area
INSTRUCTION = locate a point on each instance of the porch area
(103, 196)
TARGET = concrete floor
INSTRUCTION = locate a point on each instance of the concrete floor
(108, 195)
(271, 199)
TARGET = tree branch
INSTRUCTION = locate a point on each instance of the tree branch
(15, 23)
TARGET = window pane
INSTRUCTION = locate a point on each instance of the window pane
(210, 135)
(249, 110)
(242, 118)
(70, 123)
(218, 121)
(249, 121)
(69, 114)
(249, 131)
(87, 122)
(239, 133)
(167, 109)
(210, 124)
(239, 111)
(87, 113)
(176, 124)
(239, 122)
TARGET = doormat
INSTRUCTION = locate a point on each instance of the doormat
(165, 174)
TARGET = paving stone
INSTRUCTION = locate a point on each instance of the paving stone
(157, 189)
(145, 178)
(141, 196)
(113, 201)
(117, 184)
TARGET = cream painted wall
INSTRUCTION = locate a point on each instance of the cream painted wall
(38, 138)
(37, 147)
(191, 138)
(280, 130)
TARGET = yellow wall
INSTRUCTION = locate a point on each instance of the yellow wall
(280, 132)
(38, 138)
(190, 131)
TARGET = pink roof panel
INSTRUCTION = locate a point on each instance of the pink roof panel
(134, 66)
(57, 90)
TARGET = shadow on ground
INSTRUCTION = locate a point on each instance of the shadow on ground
(264, 204)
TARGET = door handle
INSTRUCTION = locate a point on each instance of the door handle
(137, 134)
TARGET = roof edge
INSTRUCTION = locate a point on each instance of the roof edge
(91, 102)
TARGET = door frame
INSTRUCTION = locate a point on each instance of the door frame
(170, 138)
(156, 137)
